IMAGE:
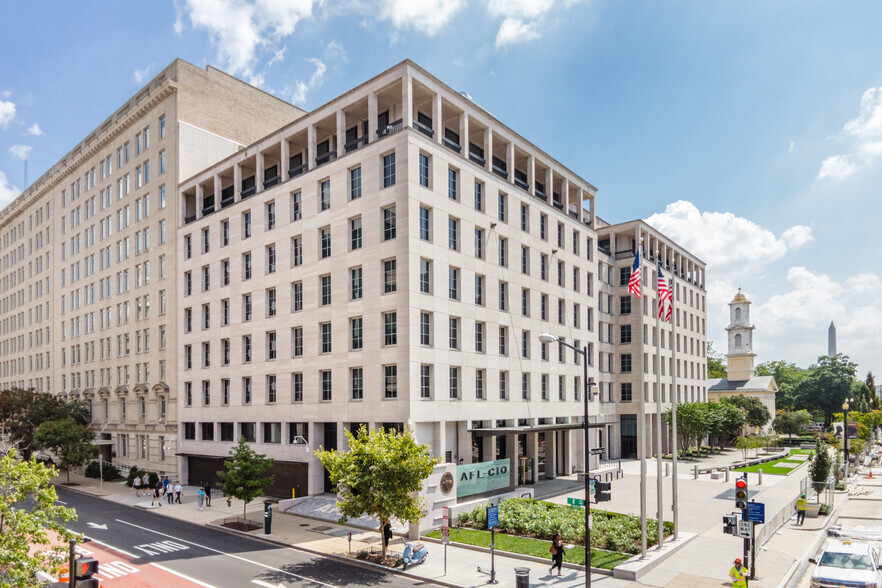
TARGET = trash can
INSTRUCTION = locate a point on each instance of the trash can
(522, 577)
(267, 516)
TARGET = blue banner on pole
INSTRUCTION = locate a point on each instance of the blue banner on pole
(492, 517)
(756, 512)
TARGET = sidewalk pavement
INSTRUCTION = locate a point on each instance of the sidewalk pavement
(702, 562)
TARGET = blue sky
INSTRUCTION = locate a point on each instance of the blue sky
(749, 131)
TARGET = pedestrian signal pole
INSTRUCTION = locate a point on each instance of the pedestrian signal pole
(741, 495)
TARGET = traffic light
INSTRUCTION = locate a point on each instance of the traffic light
(603, 491)
(741, 493)
(730, 524)
(85, 568)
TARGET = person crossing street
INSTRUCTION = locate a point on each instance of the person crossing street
(738, 573)
(800, 510)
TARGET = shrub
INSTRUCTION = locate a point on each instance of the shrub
(111, 472)
(153, 477)
(93, 469)
(131, 477)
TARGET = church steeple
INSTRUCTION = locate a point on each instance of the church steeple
(740, 357)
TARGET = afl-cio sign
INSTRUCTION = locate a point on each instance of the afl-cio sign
(475, 478)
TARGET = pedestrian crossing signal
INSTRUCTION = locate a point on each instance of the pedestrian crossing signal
(741, 493)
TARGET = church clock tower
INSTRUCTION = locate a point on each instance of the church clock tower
(740, 357)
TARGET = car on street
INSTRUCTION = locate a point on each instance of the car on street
(845, 563)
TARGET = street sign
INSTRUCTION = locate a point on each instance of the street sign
(598, 451)
(575, 502)
(745, 529)
(492, 517)
(445, 529)
(756, 512)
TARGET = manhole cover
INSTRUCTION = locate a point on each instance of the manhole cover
(321, 529)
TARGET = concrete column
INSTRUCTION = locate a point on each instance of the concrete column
(489, 447)
(218, 188)
(200, 199)
(440, 441)
(464, 133)
(488, 148)
(407, 100)
(565, 193)
(463, 445)
(533, 453)
(311, 149)
(259, 172)
(549, 189)
(237, 182)
(437, 118)
(531, 174)
(551, 454)
(372, 117)
(285, 164)
(341, 132)
(510, 161)
(579, 195)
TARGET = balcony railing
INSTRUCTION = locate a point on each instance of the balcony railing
(390, 129)
(541, 194)
(227, 202)
(521, 184)
(323, 159)
(270, 182)
(207, 209)
(477, 158)
(246, 192)
(424, 129)
(353, 145)
(189, 219)
(624, 254)
(500, 171)
(296, 171)
(452, 145)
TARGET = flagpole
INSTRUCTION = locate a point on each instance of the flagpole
(675, 508)
(658, 412)
(642, 424)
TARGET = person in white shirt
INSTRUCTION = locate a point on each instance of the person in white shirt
(178, 492)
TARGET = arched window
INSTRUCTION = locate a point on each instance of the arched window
(737, 339)
(737, 314)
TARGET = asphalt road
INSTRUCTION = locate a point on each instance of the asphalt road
(141, 549)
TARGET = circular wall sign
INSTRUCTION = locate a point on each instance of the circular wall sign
(447, 482)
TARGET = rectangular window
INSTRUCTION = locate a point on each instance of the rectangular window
(424, 170)
(625, 304)
(355, 183)
(325, 287)
(271, 302)
(390, 328)
(297, 387)
(503, 296)
(453, 382)
(326, 385)
(325, 242)
(453, 333)
(225, 233)
(246, 266)
(297, 342)
(270, 214)
(625, 334)
(296, 251)
(296, 296)
(246, 349)
(525, 260)
(626, 363)
(325, 329)
(503, 341)
(479, 384)
(246, 224)
(425, 329)
(479, 290)
(425, 276)
(452, 176)
(389, 276)
(296, 206)
(525, 217)
(325, 195)
(271, 347)
(503, 385)
(355, 233)
(425, 381)
(356, 382)
(270, 253)
(356, 333)
(503, 206)
(479, 243)
(503, 252)
(479, 196)
(225, 272)
(390, 381)
(453, 283)
(389, 170)
(543, 227)
(479, 337)
(626, 392)
(389, 223)
(425, 224)
(355, 283)
(246, 307)
(453, 233)
(525, 302)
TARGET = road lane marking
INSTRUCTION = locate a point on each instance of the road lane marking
(265, 566)
(182, 576)
(266, 584)
(109, 546)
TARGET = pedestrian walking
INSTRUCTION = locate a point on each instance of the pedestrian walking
(136, 484)
(738, 573)
(387, 533)
(800, 509)
(557, 554)
(145, 482)
(178, 492)
(170, 493)
(208, 494)
(200, 497)
(157, 494)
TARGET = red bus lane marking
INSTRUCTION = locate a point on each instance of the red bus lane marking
(118, 569)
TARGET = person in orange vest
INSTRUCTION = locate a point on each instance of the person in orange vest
(800, 509)
(738, 573)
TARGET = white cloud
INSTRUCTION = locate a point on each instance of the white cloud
(301, 89)
(8, 192)
(522, 19)
(35, 130)
(142, 75)
(513, 30)
(7, 113)
(335, 50)
(240, 29)
(864, 135)
(837, 167)
(792, 147)
(426, 16)
(20, 151)
(731, 246)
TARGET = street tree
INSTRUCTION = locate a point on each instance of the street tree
(70, 441)
(755, 412)
(379, 475)
(827, 385)
(244, 476)
(819, 469)
(723, 421)
(787, 376)
(716, 362)
(692, 423)
(871, 386)
(792, 423)
(28, 512)
(22, 411)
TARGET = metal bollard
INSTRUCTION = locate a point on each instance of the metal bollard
(522, 577)
(695, 471)
(667, 469)
(760, 483)
(727, 474)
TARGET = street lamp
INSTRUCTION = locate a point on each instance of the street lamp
(845, 436)
(549, 338)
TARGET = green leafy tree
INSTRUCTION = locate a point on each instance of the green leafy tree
(716, 362)
(871, 386)
(819, 469)
(787, 376)
(22, 411)
(724, 421)
(827, 385)
(755, 412)
(70, 441)
(244, 475)
(792, 423)
(379, 475)
(27, 513)
(692, 424)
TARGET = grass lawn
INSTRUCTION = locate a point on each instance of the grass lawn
(535, 547)
(770, 467)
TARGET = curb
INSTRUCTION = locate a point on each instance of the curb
(343, 559)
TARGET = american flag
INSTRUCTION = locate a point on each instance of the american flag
(664, 298)
(634, 282)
